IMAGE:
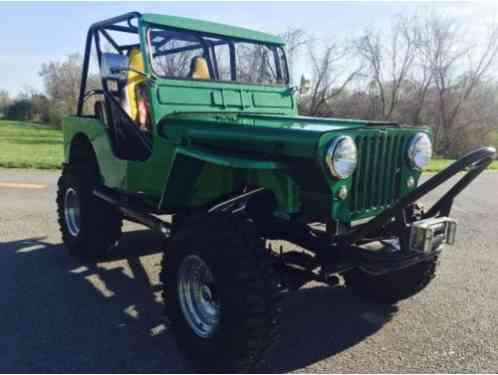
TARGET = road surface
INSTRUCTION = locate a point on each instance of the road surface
(62, 315)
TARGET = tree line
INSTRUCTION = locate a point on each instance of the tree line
(424, 70)
(61, 81)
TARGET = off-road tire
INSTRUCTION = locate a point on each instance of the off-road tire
(100, 224)
(247, 285)
(395, 286)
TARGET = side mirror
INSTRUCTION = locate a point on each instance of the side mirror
(114, 66)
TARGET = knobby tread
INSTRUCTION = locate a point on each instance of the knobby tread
(249, 290)
(100, 223)
(395, 286)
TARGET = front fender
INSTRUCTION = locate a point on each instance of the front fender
(200, 175)
(224, 159)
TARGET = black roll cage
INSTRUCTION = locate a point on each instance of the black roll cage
(94, 33)
(112, 107)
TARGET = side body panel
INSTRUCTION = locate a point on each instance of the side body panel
(113, 170)
(184, 96)
(146, 178)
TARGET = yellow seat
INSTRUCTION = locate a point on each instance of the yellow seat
(136, 62)
(199, 68)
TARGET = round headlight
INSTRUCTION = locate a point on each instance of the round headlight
(342, 157)
(420, 150)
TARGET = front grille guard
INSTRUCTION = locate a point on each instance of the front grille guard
(476, 162)
(339, 253)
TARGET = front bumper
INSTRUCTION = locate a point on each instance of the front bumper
(475, 163)
(427, 239)
(413, 238)
(406, 235)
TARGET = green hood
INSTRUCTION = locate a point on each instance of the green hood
(275, 136)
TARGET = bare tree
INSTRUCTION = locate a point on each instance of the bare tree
(423, 72)
(387, 60)
(459, 70)
(62, 81)
(415, 91)
(295, 40)
(255, 63)
(333, 70)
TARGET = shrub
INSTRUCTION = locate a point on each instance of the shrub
(20, 110)
(56, 113)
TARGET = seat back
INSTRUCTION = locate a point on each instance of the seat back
(199, 68)
(136, 62)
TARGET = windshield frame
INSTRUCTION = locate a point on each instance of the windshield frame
(278, 52)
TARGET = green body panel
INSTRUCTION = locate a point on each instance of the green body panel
(226, 160)
(114, 169)
(183, 96)
(199, 176)
(210, 139)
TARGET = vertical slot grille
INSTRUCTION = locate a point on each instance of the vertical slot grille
(376, 180)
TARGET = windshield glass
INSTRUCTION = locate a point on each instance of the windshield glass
(193, 55)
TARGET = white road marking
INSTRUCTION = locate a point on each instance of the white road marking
(16, 185)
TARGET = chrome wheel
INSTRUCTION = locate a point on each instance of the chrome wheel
(197, 295)
(72, 211)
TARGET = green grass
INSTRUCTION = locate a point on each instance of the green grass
(437, 165)
(30, 145)
(494, 139)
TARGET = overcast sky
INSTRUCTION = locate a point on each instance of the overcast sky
(33, 33)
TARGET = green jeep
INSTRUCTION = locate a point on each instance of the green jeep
(197, 120)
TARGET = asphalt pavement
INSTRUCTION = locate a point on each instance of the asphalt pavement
(61, 315)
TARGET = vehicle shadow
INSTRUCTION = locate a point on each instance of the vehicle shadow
(322, 321)
(62, 315)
